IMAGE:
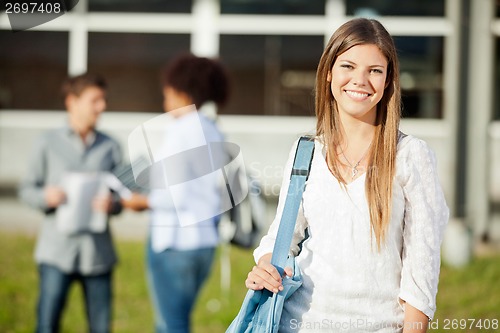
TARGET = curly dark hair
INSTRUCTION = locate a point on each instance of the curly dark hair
(202, 79)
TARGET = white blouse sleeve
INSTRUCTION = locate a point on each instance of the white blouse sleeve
(426, 215)
(267, 242)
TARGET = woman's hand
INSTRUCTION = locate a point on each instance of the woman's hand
(265, 275)
(137, 202)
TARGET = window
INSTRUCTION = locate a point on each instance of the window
(280, 7)
(144, 6)
(395, 7)
(271, 75)
(132, 64)
(496, 91)
(421, 75)
(33, 66)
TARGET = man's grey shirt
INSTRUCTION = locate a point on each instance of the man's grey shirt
(55, 153)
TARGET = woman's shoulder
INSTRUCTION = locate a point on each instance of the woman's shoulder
(413, 154)
(411, 146)
(319, 144)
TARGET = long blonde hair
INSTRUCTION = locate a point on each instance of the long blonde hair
(382, 159)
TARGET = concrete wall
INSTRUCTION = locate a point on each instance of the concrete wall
(265, 142)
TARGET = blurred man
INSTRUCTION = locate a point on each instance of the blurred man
(62, 256)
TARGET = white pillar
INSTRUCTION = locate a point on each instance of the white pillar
(78, 40)
(479, 109)
(451, 90)
(335, 13)
(205, 30)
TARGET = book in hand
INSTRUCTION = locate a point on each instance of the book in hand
(77, 214)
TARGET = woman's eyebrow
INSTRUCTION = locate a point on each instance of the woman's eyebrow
(354, 63)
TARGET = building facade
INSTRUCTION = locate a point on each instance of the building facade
(450, 74)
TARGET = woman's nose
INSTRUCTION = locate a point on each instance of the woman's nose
(359, 78)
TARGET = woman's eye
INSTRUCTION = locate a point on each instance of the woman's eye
(346, 66)
(378, 71)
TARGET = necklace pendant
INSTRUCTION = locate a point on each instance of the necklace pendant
(354, 172)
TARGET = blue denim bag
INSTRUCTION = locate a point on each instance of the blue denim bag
(261, 309)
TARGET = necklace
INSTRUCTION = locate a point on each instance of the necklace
(354, 168)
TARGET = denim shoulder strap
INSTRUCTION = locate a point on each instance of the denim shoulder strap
(298, 177)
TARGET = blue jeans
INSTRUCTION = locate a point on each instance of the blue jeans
(54, 287)
(175, 279)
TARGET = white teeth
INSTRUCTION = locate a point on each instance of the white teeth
(356, 94)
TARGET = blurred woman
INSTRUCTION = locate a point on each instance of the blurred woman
(182, 245)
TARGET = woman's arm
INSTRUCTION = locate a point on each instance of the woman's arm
(425, 217)
(137, 202)
(415, 320)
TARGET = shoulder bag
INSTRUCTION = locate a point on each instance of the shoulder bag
(261, 309)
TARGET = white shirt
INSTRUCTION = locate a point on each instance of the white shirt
(176, 209)
(348, 286)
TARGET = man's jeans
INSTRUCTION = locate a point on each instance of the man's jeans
(175, 279)
(54, 287)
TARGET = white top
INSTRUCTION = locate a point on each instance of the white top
(185, 211)
(348, 285)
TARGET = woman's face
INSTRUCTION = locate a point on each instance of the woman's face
(357, 81)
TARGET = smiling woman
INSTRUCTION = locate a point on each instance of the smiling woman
(373, 206)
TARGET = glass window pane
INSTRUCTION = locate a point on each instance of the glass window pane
(131, 63)
(496, 92)
(421, 70)
(282, 7)
(33, 65)
(145, 6)
(271, 75)
(395, 7)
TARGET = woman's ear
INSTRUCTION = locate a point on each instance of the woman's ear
(329, 77)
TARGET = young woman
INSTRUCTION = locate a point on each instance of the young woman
(373, 206)
(181, 247)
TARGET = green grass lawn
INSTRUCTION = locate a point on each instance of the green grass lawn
(467, 294)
